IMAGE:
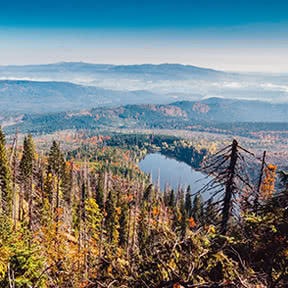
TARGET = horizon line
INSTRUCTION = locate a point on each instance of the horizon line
(143, 63)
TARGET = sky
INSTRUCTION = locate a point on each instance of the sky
(226, 35)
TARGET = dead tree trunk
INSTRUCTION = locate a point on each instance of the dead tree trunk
(15, 169)
(30, 208)
(256, 200)
(230, 186)
(20, 203)
(84, 235)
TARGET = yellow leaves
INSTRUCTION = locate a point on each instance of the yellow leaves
(273, 228)
(285, 253)
(36, 156)
(118, 210)
(172, 264)
(211, 229)
(4, 258)
(109, 270)
(156, 211)
(268, 185)
(165, 274)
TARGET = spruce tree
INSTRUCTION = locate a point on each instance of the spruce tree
(176, 221)
(171, 202)
(100, 192)
(143, 233)
(123, 224)
(111, 221)
(183, 219)
(56, 168)
(188, 202)
(148, 193)
(56, 162)
(5, 179)
(197, 210)
(26, 164)
(26, 168)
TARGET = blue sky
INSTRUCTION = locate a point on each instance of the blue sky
(228, 35)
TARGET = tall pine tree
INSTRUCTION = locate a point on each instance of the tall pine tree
(188, 202)
(5, 179)
(112, 218)
(26, 167)
(197, 210)
(56, 168)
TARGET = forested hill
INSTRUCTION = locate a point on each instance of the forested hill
(72, 70)
(52, 96)
(234, 110)
(238, 116)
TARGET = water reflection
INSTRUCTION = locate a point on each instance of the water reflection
(172, 172)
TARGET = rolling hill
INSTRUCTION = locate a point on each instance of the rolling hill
(169, 81)
(210, 114)
(45, 96)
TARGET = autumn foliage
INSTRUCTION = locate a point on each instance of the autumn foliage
(90, 218)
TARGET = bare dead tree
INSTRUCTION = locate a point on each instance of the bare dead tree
(14, 177)
(229, 169)
(230, 187)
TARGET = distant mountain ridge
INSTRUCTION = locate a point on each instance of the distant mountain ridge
(182, 82)
(89, 67)
(81, 73)
(51, 96)
(234, 110)
(213, 113)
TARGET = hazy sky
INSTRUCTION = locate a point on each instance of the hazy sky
(227, 35)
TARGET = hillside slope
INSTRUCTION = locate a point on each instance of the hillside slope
(214, 113)
(46, 96)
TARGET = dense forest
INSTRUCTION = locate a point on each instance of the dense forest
(215, 115)
(90, 218)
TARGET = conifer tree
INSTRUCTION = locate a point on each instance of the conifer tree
(143, 234)
(5, 179)
(188, 202)
(171, 199)
(112, 221)
(136, 202)
(56, 161)
(26, 164)
(148, 193)
(176, 221)
(123, 224)
(26, 167)
(56, 167)
(197, 208)
(166, 194)
(183, 219)
(100, 192)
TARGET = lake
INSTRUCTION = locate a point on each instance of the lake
(173, 172)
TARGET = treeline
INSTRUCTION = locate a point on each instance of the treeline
(75, 221)
(143, 117)
(180, 149)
